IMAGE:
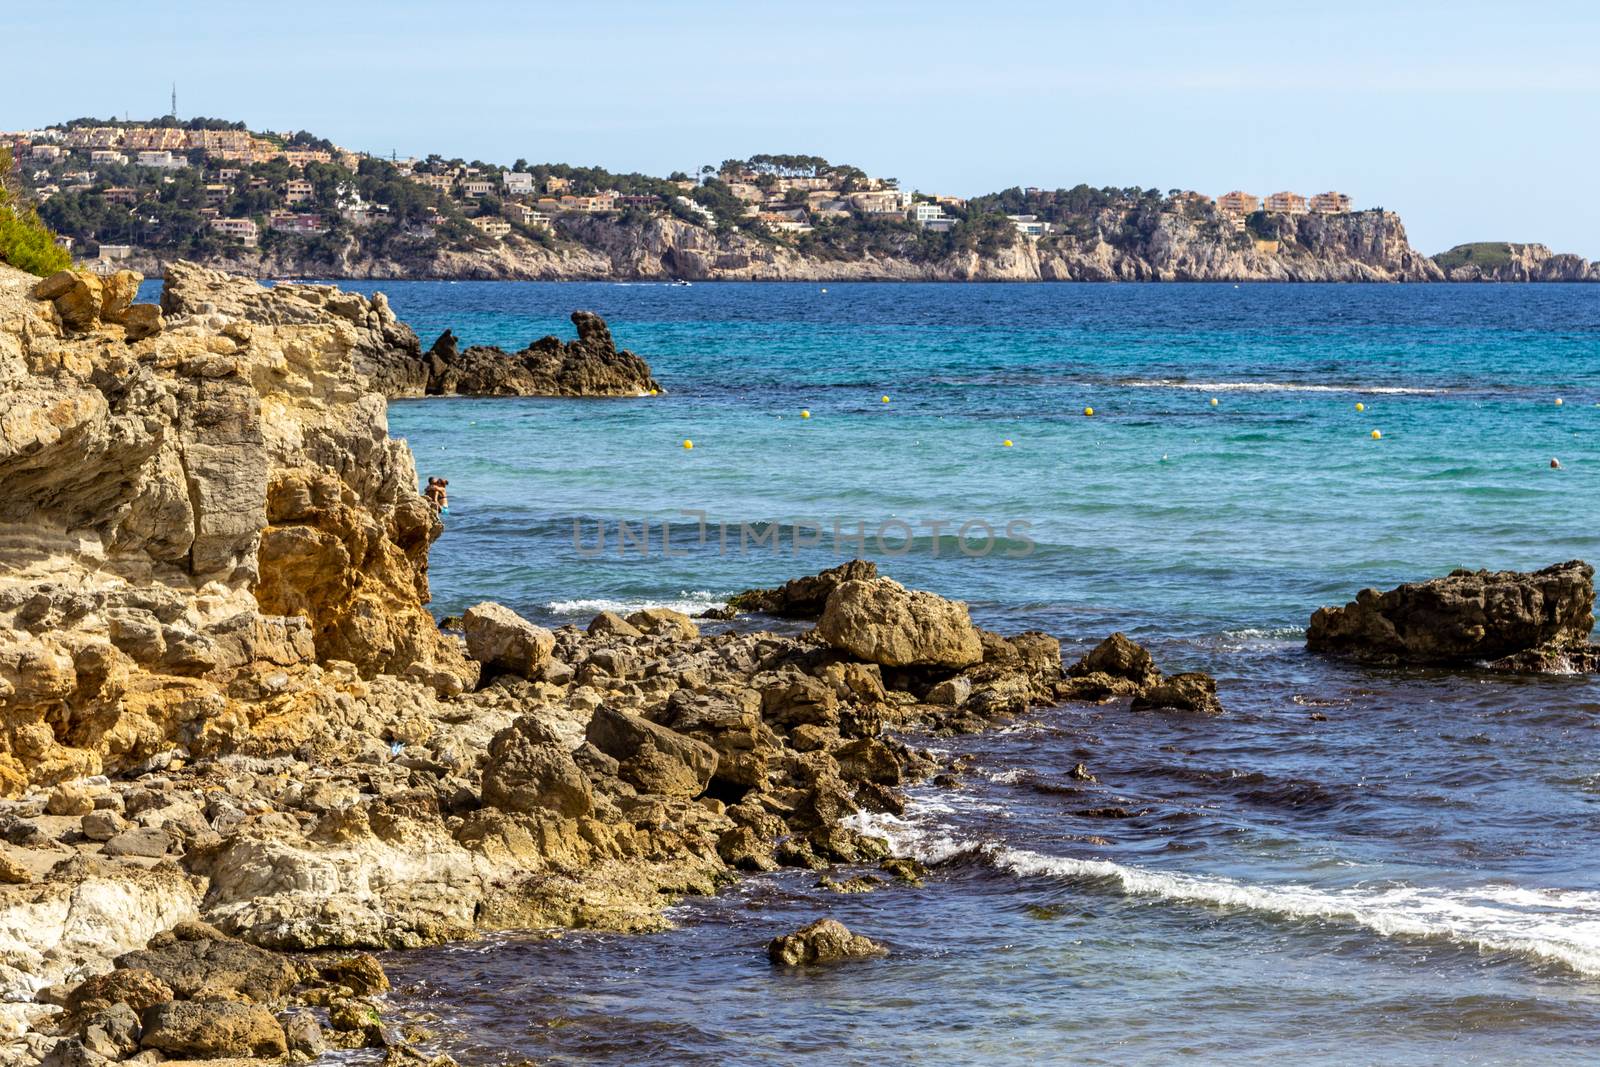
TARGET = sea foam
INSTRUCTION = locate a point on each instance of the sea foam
(1553, 926)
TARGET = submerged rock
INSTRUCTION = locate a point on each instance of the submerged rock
(1190, 691)
(824, 941)
(1542, 617)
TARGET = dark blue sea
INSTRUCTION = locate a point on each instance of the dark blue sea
(1349, 866)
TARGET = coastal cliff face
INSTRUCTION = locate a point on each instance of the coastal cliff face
(1117, 245)
(1506, 262)
(208, 534)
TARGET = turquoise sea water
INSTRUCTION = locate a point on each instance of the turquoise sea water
(1411, 879)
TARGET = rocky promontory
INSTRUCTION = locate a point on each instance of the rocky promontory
(236, 749)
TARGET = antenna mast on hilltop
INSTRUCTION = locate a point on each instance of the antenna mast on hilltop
(174, 111)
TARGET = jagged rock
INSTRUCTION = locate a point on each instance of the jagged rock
(883, 622)
(1466, 617)
(653, 758)
(141, 321)
(1190, 691)
(112, 1033)
(529, 770)
(12, 872)
(588, 366)
(190, 1030)
(1120, 660)
(804, 598)
(824, 941)
(499, 637)
(103, 825)
(952, 692)
(69, 798)
(361, 973)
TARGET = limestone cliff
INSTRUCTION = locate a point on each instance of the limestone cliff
(206, 533)
(1505, 262)
(1111, 244)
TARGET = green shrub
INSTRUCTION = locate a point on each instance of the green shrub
(26, 242)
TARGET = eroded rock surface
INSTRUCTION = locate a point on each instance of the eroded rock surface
(1523, 620)
(824, 941)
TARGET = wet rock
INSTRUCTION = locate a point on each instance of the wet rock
(868, 759)
(952, 692)
(905, 870)
(361, 973)
(192, 1030)
(804, 598)
(1190, 691)
(824, 941)
(883, 622)
(589, 366)
(499, 637)
(303, 1034)
(1465, 617)
(529, 770)
(652, 758)
(1118, 665)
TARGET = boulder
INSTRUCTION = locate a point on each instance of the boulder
(592, 365)
(664, 622)
(118, 293)
(221, 969)
(499, 637)
(824, 941)
(112, 1033)
(69, 798)
(1190, 691)
(1465, 617)
(148, 842)
(141, 321)
(76, 295)
(303, 1034)
(133, 986)
(103, 825)
(883, 622)
(652, 758)
(804, 598)
(609, 622)
(1123, 662)
(529, 770)
(190, 1030)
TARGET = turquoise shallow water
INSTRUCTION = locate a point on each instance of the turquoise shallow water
(1411, 879)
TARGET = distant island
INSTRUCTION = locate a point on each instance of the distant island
(141, 194)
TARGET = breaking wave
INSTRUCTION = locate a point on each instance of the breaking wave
(1554, 926)
(690, 603)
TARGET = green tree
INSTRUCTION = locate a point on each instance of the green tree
(25, 241)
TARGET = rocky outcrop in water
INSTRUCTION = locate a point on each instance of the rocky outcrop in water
(824, 941)
(1119, 667)
(805, 597)
(589, 366)
(1508, 262)
(1511, 620)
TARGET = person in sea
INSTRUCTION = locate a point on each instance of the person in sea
(438, 494)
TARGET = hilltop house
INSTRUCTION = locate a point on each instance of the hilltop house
(297, 191)
(1287, 203)
(518, 182)
(243, 230)
(1238, 203)
(1330, 204)
(1029, 225)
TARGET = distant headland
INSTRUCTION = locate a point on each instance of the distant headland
(142, 194)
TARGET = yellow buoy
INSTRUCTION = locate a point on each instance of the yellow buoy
(1006, 443)
(652, 392)
(687, 443)
(1213, 401)
(885, 400)
(1360, 406)
(1558, 401)
(1088, 411)
(1377, 434)
(805, 413)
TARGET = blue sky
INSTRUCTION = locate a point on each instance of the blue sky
(1475, 121)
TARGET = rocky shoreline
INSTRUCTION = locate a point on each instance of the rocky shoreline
(237, 753)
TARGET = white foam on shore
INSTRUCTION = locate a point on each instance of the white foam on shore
(688, 602)
(1279, 387)
(1547, 925)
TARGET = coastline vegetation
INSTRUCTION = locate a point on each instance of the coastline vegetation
(25, 241)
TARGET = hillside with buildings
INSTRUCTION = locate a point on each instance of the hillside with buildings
(295, 205)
